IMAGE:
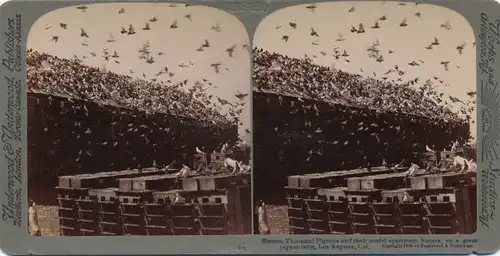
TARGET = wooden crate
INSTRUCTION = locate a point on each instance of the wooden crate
(156, 182)
(210, 183)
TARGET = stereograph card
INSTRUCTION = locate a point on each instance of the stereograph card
(228, 126)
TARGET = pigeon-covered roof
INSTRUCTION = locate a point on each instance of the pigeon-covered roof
(70, 78)
(279, 74)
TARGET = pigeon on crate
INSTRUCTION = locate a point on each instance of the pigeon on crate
(224, 148)
(472, 166)
(464, 163)
(170, 166)
(198, 151)
(406, 197)
(429, 149)
(179, 199)
(184, 172)
(230, 163)
(454, 146)
(412, 170)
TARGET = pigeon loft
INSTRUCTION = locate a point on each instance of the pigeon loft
(388, 203)
(134, 202)
(363, 196)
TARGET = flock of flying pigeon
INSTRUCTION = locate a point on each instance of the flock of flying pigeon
(79, 83)
(145, 53)
(154, 95)
(373, 51)
(271, 71)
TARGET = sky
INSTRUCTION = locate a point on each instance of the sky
(407, 43)
(178, 45)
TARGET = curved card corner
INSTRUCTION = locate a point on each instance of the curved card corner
(5, 5)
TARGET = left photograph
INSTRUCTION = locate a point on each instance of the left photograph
(139, 121)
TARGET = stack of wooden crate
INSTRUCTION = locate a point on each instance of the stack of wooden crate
(142, 202)
(381, 202)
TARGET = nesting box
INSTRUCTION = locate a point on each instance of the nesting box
(125, 184)
(389, 196)
(435, 181)
(156, 182)
(210, 183)
(161, 197)
(442, 197)
(190, 184)
(354, 183)
(64, 181)
(294, 181)
(418, 183)
(104, 195)
(212, 199)
(333, 194)
(446, 180)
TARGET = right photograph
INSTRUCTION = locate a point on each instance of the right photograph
(364, 120)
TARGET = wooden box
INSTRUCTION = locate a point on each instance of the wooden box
(354, 183)
(418, 183)
(64, 181)
(190, 184)
(294, 181)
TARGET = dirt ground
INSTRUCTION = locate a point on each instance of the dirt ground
(277, 216)
(48, 220)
